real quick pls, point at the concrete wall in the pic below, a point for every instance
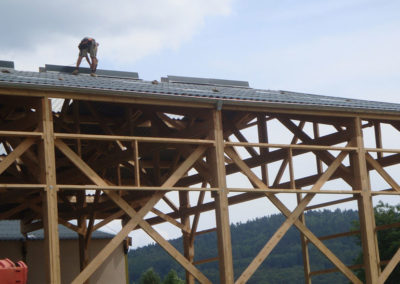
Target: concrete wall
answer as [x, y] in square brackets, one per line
[112, 271]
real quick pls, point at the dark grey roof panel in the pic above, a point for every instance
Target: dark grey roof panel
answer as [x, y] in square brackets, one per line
[10, 230]
[205, 81]
[101, 72]
[59, 81]
[7, 64]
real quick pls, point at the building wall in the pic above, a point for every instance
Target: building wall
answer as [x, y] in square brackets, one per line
[113, 270]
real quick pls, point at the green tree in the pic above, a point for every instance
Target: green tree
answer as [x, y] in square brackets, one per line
[388, 239]
[150, 277]
[172, 278]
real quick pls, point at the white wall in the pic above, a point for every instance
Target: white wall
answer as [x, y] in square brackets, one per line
[113, 270]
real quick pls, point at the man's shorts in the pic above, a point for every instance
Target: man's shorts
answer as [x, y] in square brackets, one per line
[92, 50]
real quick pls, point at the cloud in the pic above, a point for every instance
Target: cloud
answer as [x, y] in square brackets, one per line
[44, 31]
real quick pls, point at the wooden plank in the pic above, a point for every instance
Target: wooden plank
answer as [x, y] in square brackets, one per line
[18, 151]
[50, 203]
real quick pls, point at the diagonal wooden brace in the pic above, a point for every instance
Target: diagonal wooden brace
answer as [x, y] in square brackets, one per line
[137, 217]
[247, 171]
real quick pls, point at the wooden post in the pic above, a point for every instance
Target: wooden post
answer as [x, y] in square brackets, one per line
[365, 207]
[50, 207]
[263, 138]
[188, 246]
[303, 239]
[216, 159]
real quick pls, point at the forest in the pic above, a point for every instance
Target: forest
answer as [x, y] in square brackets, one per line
[284, 265]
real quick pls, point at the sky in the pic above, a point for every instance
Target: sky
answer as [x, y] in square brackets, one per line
[344, 48]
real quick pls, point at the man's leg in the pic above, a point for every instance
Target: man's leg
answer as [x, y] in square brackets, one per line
[77, 65]
[93, 66]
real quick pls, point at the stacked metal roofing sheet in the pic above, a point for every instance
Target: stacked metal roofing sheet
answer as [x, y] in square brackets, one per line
[62, 81]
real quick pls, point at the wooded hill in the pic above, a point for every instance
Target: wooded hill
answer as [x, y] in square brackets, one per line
[284, 265]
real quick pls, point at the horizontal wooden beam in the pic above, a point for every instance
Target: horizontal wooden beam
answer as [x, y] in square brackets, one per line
[4, 133]
[212, 259]
[133, 138]
[22, 185]
[305, 191]
[132, 188]
[290, 146]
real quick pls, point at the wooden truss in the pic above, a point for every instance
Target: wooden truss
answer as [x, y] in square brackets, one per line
[104, 158]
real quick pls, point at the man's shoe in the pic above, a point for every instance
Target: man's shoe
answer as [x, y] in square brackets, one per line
[75, 72]
[93, 74]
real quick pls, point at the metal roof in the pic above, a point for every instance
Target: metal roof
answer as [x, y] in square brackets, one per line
[10, 230]
[228, 95]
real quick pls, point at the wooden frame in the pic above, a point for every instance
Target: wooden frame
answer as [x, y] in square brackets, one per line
[132, 152]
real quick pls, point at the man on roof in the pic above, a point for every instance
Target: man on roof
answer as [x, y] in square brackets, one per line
[87, 45]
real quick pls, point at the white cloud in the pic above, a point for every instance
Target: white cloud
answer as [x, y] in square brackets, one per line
[44, 31]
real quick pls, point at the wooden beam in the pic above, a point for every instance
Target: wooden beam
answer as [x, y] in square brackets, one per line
[263, 138]
[50, 203]
[378, 137]
[133, 138]
[188, 246]
[18, 151]
[284, 163]
[174, 252]
[389, 267]
[267, 249]
[302, 228]
[375, 164]
[136, 216]
[316, 135]
[215, 158]
[365, 207]
[170, 220]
